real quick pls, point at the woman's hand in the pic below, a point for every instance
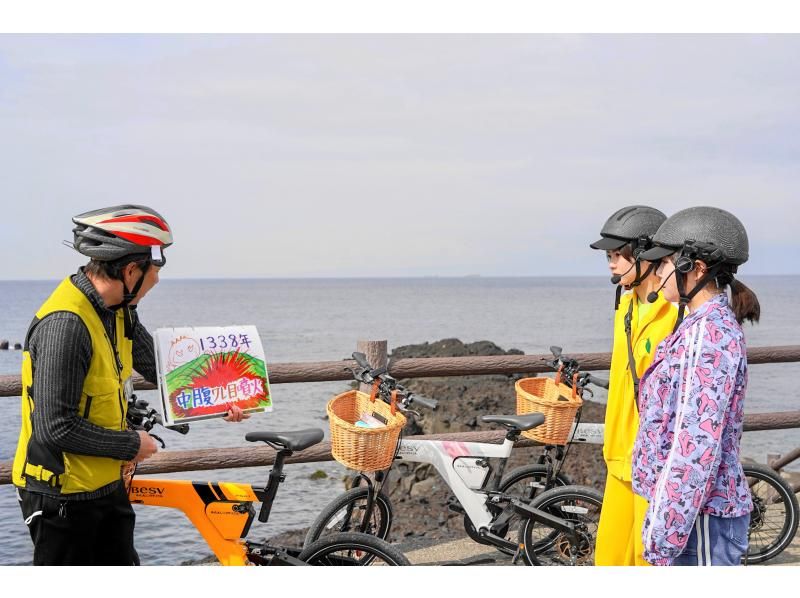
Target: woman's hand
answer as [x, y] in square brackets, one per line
[235, 414]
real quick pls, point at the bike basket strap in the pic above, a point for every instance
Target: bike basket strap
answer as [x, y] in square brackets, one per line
[557, 402]
[363, 448]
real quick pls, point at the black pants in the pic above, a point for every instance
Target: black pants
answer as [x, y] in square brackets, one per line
[73, 532]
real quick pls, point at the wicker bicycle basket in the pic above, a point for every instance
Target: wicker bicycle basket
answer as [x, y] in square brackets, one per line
[363, 449]
[557, 401]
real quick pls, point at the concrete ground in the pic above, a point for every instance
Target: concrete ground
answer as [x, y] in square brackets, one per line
[466, 552]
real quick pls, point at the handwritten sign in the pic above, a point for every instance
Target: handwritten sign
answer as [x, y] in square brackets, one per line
[203, 371]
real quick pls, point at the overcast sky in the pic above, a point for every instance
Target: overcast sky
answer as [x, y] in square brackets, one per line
[394, 155]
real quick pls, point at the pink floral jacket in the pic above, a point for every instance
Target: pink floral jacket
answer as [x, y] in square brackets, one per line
[691, 411]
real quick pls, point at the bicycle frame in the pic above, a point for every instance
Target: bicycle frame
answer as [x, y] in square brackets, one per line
[587, 434]
[459, 464]
[221, 511]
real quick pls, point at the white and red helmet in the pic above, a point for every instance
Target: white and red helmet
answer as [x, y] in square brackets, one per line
[110, 234]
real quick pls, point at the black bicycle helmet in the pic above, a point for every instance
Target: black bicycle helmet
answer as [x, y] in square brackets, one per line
[634, 226]
[704, 233]
[701, 233]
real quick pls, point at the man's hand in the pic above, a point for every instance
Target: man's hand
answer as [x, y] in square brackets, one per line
[147, 446]
[235, 414]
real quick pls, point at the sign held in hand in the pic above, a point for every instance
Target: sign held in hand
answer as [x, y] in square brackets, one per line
[203, 371]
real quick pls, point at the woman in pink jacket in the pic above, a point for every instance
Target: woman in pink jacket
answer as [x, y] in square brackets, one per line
[691, 399]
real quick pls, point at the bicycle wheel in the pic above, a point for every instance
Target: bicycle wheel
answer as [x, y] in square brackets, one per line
[352, 549]
[346, 514]
[524, 483]
[773, 522]
[543, 545]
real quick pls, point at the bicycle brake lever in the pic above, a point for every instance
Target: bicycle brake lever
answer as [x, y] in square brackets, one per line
[161, 442]
[179, 428]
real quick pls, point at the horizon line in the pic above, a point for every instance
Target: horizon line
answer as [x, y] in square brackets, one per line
[417, 277]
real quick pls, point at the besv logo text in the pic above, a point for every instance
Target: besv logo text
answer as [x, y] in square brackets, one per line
[147, 491]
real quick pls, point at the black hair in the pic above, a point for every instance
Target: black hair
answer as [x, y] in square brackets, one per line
[113, 270]
[744, 302]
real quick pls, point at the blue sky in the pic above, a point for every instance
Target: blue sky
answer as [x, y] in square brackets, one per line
[394, 155]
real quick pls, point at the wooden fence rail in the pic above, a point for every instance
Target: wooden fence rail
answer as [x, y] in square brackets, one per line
[258, 455]
[282, 373]
[430, 367]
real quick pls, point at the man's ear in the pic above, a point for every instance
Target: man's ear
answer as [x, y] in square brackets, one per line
[129, 270]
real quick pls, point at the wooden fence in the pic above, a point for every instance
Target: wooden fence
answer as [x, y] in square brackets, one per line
[376, 351]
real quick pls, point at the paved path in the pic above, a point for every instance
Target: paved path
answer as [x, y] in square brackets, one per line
[467, 552]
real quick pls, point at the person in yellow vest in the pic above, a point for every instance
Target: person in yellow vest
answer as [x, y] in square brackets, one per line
[639, 327]
[80, 351]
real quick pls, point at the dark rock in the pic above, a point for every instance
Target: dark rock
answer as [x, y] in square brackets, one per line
[3, 345]
[17, 347]
[451, 347]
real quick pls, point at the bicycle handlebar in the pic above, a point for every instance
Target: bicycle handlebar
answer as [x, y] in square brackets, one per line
[143, 417]
[601, 382]
[569, 367]
[431, 404]
[387, 384]
[361, 360]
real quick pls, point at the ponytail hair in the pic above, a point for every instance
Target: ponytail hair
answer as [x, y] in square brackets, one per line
[744, 302]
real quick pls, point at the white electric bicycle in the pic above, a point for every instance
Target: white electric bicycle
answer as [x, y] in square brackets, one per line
[553, 527]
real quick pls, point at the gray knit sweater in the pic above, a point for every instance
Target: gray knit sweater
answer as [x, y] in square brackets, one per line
[61, 351]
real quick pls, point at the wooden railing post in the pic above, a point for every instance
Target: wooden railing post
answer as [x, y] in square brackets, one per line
[377, 353]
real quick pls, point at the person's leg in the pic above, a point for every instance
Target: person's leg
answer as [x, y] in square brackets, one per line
[715, 541]
[116, 534]
[614, 545]
[63, 532]
[728, 539]
[690, 557]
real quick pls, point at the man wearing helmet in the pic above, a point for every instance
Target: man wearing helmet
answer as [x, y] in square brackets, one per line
[80, 351]
[691, 399]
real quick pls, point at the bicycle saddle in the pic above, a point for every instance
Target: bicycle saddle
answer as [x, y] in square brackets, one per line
[520, 422]
[293, 441]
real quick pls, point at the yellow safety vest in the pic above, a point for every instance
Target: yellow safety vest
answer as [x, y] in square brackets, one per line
[622, 414]
[103, 403]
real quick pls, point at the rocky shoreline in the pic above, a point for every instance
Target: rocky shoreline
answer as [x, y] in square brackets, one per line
[419, 496]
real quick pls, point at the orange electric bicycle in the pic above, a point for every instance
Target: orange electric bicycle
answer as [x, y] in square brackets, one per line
[223, 512]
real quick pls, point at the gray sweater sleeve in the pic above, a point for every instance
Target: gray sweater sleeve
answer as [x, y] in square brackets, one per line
[61, 349]
[144, 356]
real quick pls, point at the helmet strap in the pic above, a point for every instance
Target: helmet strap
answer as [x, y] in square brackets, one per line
[127, 297]
[636, 282]
[685, 297]
[641, 277]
